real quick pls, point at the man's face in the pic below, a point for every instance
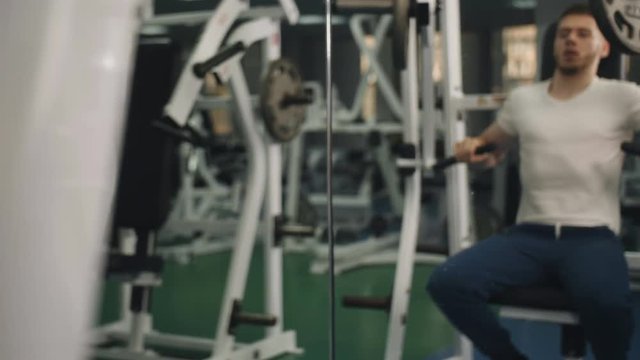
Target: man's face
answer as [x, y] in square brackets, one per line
[578, 44]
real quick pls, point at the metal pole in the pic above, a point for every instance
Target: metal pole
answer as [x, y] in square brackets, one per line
[332, 285]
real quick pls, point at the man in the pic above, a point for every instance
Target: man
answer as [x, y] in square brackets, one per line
[570, 129]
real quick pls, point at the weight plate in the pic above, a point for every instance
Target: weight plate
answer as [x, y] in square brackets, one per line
[619, 21]
[283, 119]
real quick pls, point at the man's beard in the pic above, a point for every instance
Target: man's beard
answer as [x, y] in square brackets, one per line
[572, 70]
[569, 70]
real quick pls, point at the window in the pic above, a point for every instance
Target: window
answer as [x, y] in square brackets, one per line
[520, 51]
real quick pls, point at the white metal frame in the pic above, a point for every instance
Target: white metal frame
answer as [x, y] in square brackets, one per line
[199, 210]
[358, 204]
[458, 192]
[361, 202]
[405, 256]
[356, 24]
[411, 214]
[277, 342]
[188, 86]
[344, 125]
[374, 251]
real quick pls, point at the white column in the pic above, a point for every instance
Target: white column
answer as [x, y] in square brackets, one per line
[63, 92]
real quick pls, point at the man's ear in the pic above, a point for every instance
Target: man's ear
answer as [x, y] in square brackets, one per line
[605, 48]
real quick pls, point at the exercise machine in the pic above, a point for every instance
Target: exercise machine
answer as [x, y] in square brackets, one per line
[137, 328]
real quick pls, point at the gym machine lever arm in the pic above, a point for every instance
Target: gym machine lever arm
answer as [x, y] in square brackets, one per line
[367, 302]
[192, 136]
[239, 317]
[289, 100]
[445, 163]
[200, 69]
[188, 87]
[168, 127]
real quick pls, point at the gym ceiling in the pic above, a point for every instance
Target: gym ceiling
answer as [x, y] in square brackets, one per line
[475, 14]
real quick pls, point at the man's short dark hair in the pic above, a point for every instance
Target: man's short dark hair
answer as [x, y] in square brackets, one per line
[576, 9]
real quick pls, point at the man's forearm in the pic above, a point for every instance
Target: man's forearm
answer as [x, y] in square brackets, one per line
[494, 134]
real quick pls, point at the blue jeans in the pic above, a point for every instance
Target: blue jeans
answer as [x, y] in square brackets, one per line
[586, 261]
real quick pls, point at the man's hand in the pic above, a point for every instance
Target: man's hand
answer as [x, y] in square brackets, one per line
[465, 151]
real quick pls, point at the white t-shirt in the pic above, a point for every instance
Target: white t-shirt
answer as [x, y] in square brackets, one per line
[570, 157]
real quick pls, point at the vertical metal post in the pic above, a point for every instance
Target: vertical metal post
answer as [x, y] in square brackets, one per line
[248, 225]
[329, 138]
[411, 213]
[140, 302]
[428, 114]
[273, 201]
[458, 195]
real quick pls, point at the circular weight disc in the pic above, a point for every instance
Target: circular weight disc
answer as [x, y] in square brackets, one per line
[400, 32]
[619, 21]
[282, 81]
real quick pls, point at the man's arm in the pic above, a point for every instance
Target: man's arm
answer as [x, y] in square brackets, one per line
[494, 134]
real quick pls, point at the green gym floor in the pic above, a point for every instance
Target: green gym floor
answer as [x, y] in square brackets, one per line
[189, 300]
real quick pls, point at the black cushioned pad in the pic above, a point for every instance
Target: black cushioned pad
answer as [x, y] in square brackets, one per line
[148, 178]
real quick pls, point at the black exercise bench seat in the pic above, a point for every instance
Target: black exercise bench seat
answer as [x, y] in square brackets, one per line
[553, 299]
[546, 298]
[535, 297]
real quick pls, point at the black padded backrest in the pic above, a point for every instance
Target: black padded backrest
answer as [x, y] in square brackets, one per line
[609, 68]
[148, 177]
